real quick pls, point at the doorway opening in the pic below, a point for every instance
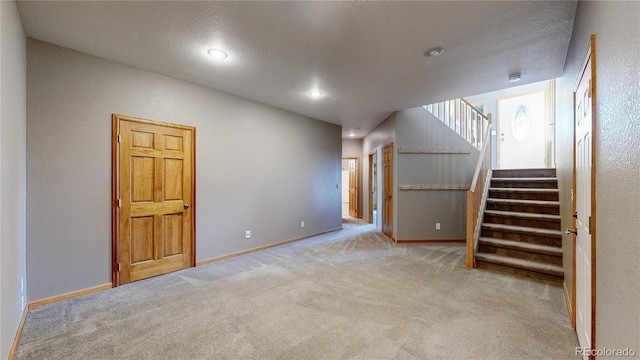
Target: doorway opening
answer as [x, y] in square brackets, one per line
[153, 193]
[373, 188]
[350, 187]
[387, 191]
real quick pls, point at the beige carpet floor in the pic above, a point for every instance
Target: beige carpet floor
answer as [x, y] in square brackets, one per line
[350, 294]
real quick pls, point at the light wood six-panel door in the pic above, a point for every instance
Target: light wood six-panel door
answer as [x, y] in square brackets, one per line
[387, 186]
[154, 231]
[354, 186]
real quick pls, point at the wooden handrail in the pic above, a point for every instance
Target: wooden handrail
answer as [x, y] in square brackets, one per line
[476, 197]
[476, 173]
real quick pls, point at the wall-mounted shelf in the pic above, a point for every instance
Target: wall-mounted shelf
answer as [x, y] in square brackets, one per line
[434, 151]
[434, 187]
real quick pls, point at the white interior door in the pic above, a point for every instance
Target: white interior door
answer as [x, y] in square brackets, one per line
[345, 186]
[584, 151]
[521, 131]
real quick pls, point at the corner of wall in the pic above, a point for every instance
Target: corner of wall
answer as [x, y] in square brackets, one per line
[12, 174]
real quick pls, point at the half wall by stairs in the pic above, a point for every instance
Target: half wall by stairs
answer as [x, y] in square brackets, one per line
[520, 233]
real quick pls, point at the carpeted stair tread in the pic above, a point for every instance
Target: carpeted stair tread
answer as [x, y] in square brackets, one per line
[524, 202]
[536, 172]
[537, 190]
[537, 179]
[521, 225]
[521, 264]
[523, 215]
[523, 246]
[522, 229]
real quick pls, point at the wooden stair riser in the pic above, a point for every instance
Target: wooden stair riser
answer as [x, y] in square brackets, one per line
[526, 173]
[524, 237]
[526, 208]
[529, 184]
[514, 253]
[524, 195]
[552, 279]
[551, 224]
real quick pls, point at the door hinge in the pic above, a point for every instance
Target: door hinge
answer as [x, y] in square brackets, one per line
[119, 267]
[589, 225]
[119, 202]
[119, 137]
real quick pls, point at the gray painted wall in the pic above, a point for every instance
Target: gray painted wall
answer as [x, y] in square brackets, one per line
[383, 134]
[352, 148]
[258, 168]
[13, 97]
[618, 164]
[418, 211]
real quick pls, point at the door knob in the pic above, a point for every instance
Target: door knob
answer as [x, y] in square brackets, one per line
[186, 206]
[571, 231]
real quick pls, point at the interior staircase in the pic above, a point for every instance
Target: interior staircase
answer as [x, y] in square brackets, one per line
[520, 233]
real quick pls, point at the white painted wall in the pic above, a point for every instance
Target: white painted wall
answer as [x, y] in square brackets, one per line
[258, 168]
[617, 163]
[12, 172]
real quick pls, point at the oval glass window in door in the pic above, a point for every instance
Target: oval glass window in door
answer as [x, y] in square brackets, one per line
[521, 124]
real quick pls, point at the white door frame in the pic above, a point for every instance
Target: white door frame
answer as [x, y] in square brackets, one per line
[590, 61]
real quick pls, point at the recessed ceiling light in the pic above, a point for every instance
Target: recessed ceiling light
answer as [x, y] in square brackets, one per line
[315, 93]
[433, 52]
[217, 54]
[515, 77]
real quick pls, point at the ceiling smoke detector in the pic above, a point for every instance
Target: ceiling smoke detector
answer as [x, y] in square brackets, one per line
[433, 52]
[515, 77]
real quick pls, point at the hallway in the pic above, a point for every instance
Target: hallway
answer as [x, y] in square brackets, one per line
[349, 294]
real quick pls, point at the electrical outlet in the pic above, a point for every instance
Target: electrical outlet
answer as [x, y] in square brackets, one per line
[437, 226]
[301, 223]
[247, 234]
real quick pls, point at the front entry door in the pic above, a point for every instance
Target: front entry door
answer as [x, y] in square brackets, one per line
[153, 198]
[521, 128]
[387, 185]
[584, 249]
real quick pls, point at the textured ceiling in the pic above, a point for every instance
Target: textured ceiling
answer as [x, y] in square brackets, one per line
[366, 57]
